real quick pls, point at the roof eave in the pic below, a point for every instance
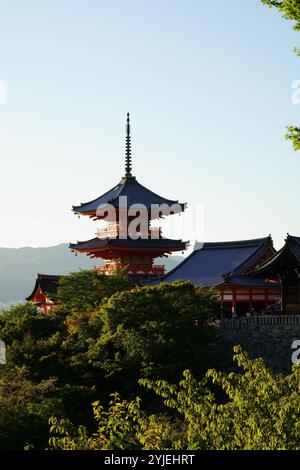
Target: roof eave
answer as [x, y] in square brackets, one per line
[241, 269]
[36, 287]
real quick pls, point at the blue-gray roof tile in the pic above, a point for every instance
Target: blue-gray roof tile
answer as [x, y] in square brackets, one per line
[135, 192]
[215, 262]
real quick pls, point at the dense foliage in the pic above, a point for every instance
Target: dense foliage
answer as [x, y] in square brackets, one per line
[260, 411]
[104, 335]
[24, 407]
[122, 350]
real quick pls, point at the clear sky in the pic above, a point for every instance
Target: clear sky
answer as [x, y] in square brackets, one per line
[208, 85]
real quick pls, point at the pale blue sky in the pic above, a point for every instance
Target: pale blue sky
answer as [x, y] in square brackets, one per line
[208, 85]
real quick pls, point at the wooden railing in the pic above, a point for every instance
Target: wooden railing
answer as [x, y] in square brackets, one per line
[113, 231]
[263, 320]
[110, 269]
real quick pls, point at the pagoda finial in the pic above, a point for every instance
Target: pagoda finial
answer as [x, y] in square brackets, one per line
[128, 163]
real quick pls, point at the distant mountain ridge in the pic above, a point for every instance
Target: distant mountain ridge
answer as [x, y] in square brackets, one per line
[19, 266]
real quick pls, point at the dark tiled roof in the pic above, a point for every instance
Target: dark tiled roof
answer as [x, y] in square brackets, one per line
[294, 245]
[135, 192]
[47, 283]
[214, 263]
[96, 243]
[252, 281]
[291, 247]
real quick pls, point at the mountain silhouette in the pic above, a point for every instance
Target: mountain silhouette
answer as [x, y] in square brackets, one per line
[19, 266]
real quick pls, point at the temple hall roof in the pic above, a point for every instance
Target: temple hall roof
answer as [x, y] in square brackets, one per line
[216, 263]
[47, 283]
[294, 245]
[291, 250]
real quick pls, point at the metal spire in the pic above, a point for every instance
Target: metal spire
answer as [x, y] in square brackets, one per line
[128, 162]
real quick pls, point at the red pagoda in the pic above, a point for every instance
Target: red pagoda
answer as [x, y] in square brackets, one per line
[128, 240]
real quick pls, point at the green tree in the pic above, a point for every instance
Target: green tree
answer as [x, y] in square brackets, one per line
[25, 409]
[40, 344]
[86, 290]
[35, 341]
[290, 10]
[155, 331]
[116, 428]
[112, 339]
[260, 411]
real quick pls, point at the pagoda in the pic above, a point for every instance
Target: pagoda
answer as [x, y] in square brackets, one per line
[128, 240]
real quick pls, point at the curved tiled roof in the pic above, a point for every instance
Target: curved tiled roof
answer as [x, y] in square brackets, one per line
[135, 192]
[97, 243]
[292, 246]
[214, 263]
[47, 283]
[247, 281]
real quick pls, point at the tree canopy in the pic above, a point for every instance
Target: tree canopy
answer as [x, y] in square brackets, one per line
[103, 336]
[259, 411]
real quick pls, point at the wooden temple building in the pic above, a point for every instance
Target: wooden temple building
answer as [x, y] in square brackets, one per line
[45, 286]
[226, 267]
[284, 266]
[122, 246]
[249, 275]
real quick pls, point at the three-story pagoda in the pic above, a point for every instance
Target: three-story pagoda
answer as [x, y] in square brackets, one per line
[128, 240]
